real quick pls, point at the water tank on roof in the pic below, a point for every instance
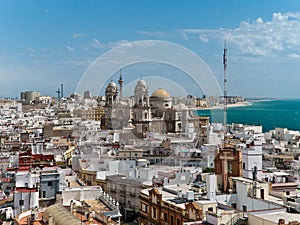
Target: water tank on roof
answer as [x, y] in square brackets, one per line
[190, 195]
[179, 193]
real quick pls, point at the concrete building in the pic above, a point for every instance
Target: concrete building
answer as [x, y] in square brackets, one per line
[228, 163]
[126, 191]
[49, 186]
[252, 159]
[28, 97]
[171, 205]
[209, 152]
[273, 218]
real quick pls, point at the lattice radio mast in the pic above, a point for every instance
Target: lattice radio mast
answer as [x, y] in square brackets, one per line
[225, 91]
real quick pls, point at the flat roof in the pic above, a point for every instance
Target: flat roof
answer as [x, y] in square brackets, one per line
[243, 179]
[274, 217]
[280, 173]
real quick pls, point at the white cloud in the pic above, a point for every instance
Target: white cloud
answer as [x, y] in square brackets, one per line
[118, 43]
[96, 44]
[203, 37]
[79, 35]
[69, 48]
[154, 33]
[294, 56]
[31, 49]
[74, 62]
[258, 38]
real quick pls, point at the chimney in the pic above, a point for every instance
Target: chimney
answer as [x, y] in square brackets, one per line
[190, 196]
[179, 193]
[211, 186]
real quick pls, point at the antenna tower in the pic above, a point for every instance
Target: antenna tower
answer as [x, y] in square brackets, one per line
[61, 90]
[225, 91]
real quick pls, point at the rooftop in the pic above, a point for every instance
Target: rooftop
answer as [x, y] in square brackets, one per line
[274, 217]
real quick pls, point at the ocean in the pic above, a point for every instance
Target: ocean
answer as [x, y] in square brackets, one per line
[270, 114]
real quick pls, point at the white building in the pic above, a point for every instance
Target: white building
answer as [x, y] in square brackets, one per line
[252, 159]
[209, 152]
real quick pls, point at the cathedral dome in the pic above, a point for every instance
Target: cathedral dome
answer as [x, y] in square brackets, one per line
[112, 84]
[141, 83]
[141, 88]
[161, 93]
[111, 87]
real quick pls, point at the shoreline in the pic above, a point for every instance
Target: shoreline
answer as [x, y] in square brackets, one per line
[239, 104]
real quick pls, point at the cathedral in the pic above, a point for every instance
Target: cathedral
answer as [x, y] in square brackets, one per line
[144, 113]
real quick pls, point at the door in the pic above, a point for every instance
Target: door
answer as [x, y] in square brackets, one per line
[262, 193]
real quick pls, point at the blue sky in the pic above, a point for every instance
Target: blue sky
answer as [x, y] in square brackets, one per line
[45, 43]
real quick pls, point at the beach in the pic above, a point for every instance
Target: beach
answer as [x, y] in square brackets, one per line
[238, 104]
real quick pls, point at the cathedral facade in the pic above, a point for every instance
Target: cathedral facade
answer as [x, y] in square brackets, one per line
[144, 112]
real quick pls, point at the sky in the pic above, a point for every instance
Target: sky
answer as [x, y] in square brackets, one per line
[46, 43]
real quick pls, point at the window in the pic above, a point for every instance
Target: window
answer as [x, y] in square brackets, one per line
[154, 213]
[49, 183]
[166, 217]
[179, 116]
[132, 191]
[178, 221]
[21, 202]
[244, 165]
[144, 207]
[179, 126]
[229, 167]
[210, 209]
[244, 208]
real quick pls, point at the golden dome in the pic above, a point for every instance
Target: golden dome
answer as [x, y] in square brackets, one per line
[161, 93]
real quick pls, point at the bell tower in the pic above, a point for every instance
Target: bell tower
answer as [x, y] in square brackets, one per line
[111, 93]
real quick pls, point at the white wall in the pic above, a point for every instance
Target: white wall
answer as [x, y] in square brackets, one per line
[79, 194]
[251, 203]
[251, 157]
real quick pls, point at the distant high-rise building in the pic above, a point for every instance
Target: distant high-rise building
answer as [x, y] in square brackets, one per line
[62, 90]
[87, 94]
[28, 97]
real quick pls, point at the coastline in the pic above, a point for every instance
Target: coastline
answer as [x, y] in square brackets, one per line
[239, 104]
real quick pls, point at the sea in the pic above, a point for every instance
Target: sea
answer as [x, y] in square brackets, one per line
[271, 114]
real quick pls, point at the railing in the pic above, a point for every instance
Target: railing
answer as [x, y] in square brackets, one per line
[97, 215]
[234, 219]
